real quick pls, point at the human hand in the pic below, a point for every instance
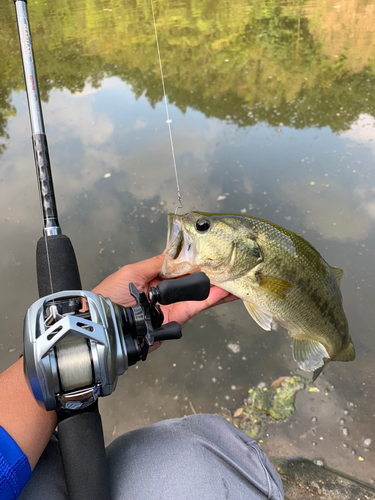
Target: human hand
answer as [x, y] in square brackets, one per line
[144, 275]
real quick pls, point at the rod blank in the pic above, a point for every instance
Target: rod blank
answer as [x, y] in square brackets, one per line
[39, 139]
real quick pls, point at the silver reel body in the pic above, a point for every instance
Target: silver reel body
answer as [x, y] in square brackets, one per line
[77, 343]
[71, 359]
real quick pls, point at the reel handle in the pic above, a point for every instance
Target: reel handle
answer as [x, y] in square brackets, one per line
[170, 331]
[193, 287]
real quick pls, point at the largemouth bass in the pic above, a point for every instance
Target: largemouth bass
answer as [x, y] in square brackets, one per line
[280, 277]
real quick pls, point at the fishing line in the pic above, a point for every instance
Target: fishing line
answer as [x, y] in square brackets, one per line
[166, 109]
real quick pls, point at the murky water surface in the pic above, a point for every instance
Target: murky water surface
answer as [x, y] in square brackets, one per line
[273, 116]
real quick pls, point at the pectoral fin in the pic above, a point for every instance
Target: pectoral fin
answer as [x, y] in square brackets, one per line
[309, 354]
[263, 318]
[276, 286]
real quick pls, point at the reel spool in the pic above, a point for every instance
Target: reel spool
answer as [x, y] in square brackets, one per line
[74, 364]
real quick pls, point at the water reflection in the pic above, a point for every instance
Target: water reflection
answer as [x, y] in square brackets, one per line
[284, 61]
[266, 121]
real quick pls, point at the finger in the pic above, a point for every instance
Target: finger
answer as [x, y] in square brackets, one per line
[155, 346]
[157, 280]
[183, 311]
[225, 300]
[154, 282]
[217, 296]
[116, 285]
[148, 269]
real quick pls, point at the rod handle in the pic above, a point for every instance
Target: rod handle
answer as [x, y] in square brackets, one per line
[83, 455]
[60, 261]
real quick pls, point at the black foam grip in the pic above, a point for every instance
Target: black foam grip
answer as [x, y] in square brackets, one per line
[169, 331]
[83, 455]
[193, 287]
[62, 263]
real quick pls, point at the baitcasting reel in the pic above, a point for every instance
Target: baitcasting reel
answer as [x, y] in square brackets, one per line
[77, 343]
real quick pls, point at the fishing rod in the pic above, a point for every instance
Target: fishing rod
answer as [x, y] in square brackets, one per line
[77, 343]
[57, 270]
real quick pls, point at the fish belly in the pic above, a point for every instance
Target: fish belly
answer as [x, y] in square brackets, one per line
[297, 313]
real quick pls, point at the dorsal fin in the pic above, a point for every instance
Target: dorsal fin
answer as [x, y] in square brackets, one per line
[338, 274]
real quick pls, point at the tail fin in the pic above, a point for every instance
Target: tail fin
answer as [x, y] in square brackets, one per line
[319, 370]
[347, 354]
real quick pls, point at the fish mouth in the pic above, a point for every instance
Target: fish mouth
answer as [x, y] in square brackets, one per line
[180, 250]
[175, 237]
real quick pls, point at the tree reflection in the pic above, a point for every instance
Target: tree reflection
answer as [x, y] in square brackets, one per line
[236, 60]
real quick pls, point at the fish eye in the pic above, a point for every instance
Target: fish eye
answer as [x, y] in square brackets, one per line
[255, 252]
[203, 225]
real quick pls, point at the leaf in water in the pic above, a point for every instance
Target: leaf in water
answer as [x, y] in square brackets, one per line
[278, 382]
[238, 412]
[313, 389]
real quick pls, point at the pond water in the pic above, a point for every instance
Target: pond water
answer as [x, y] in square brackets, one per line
[273, 115]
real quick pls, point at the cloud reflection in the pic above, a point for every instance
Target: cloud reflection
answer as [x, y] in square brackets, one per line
[362, 131]
[331, 209]
[142, 151]
[75, 115]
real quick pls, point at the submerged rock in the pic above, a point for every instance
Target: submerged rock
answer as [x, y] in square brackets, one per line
[304, 480]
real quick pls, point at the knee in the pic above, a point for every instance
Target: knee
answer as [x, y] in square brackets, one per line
[191, 455]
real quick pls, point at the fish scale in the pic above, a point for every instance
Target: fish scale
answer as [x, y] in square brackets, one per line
[282, 279]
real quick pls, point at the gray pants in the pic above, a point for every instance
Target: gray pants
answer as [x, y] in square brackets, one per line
[191, 458]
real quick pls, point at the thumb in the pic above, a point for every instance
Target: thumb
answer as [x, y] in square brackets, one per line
[147, 269]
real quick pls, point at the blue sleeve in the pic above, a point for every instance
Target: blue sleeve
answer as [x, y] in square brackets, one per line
[15, 469]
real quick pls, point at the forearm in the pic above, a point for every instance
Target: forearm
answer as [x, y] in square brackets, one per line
[23, 419]
[20, 415]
